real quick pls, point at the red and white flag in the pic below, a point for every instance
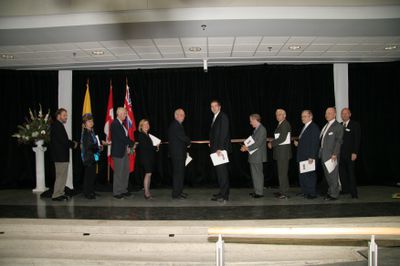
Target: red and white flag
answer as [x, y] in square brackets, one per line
[130, 125]
[107, 125]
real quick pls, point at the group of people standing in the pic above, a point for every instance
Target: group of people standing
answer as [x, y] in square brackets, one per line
[336, 142]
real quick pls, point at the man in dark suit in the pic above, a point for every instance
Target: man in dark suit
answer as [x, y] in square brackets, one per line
[331, 139]
[59, 149]
[220, 140]
[119, 152]
[178, 142]
[257, 155]
[307, 150]
[282, 152]
[348, 154]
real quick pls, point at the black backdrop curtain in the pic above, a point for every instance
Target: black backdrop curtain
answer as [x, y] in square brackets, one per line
[243, 90]
[19, 91]
[374, 94]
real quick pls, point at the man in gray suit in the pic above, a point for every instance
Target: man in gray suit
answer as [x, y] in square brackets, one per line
[331, 139]
[257, 155]
[282, 152]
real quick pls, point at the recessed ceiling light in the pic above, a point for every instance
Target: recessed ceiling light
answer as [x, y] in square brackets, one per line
[390, 47]
[98, 52]
[7, 56]
[195, 49]
[294, 47]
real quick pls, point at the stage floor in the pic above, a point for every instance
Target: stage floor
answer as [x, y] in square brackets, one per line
[373, 201]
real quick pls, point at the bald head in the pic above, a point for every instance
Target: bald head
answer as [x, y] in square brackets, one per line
[280, 115]
[345, 114]
[121, 113]
[179, 115]
[330, 113]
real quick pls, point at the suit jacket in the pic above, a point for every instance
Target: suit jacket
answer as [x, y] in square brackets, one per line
[260, 143]
[120, 141]
[59, 142]
[90, 147]
[332, 142]
[145, 149]
[308, 143]
[282, 152]
[220, 138]
[177, 140]
[351, 140]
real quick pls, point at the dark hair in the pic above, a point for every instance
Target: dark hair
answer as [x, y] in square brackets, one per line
[59, 111]
[86, 118]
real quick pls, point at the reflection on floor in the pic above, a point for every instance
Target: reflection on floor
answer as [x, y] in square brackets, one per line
[373, 201]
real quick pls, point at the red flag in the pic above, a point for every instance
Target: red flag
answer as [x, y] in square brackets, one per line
[107, 125]
[130, 125]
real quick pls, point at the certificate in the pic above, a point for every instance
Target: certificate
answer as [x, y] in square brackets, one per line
[188, 159]
[217, 160]
[156, 141]
[287, 140]
[305, 167]
[330, 165]
[98, 141]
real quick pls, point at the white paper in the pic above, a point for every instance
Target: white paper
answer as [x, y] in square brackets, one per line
[188, 159]
[330, 165]
[253, 151]
[305, 167]
[249, 141]
[156, 141]
[287, 140]
[98, 141]
[217, 160]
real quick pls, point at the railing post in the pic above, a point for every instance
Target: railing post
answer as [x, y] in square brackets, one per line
[372, 252]
[219, 251]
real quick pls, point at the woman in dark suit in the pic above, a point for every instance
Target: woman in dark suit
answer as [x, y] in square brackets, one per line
[90, 153]
[146, 153]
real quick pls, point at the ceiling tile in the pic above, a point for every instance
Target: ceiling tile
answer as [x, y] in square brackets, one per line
[274, 40]
[121, 51]
[242, 54]
[350, 40]
[187, 42]
[64, 46]
[88, 45]
[41, 47]
[170, 49]
[300, 40]
[145, 49]
[140, 42]
[314, 53]
[251, 40]
[245, 48]
[219, 55]
[114, 44]
[316, 48]
[269, 48]
[341, 47]
[266, 53]
[366, 47]
[167, 42]
[196, 55]
[289, 54]
[219, 49]
[150, 55]
[172, 55]
[335, 53]
[325, 40]
[14, 49]
[223, 41]
[127, 57]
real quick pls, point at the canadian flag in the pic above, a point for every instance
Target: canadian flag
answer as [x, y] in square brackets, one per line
[130, 125]
[107, 125]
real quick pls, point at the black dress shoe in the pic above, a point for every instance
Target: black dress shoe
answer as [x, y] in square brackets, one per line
[120, 196]
[330, 198]
[277, 194]
[183, 194]
[216, 198]
[218, 195]
[311, 197]
[178, 198]
[126, 194]
[354, 197]
[97, 194]
[283, 196]
[256, 196]
[60, 198]
[251, 194]
[92, 196]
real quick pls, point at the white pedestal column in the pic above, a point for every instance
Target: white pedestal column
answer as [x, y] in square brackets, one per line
[39, 154]
[341, 83]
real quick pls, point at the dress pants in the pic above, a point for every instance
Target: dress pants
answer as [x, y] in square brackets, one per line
[308, 183]
[347, 176]
[178, 176]
[61, 178]
[333, 181]
[121, 175]
[257, 174]
[223, 180]
[283, 168]
[89, 180]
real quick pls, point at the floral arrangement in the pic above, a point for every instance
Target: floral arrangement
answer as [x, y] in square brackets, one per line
[35, 128]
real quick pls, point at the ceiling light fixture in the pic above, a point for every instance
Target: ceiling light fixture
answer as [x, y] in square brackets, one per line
[98, 52]
[294, 47]
[7, 56]
[391, 47]
[195, 49]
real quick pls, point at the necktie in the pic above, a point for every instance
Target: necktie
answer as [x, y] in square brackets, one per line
[323, 134]
[302, 131]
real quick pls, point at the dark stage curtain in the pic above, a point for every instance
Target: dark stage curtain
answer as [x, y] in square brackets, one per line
[19, 91]
[243, 90]
[374, 92]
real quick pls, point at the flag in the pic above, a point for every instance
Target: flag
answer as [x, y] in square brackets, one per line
[107, 125]
[130, 125]
[87, 107]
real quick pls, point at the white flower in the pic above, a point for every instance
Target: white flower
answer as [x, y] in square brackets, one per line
[43, 132]
[35, 134]
[46, 117]
[26, 137]
[27, 126]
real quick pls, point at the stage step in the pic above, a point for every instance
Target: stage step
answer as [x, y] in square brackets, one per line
[84, 242]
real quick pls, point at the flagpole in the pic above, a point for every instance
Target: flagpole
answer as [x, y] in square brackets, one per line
[108, 149]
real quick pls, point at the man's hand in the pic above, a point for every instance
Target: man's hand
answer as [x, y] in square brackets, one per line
[310, 161]
[219, 153]
[269, 145]
[296, 143]
[353, 156]
[333, 158]
[243, 148]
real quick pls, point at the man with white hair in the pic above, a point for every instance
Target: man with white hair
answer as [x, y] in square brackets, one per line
[282, 152]
[119, 152]
[178, 143]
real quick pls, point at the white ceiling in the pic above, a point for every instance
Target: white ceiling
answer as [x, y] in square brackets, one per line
[153, 42]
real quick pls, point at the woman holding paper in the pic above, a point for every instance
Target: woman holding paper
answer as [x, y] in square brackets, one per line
[146, 152]
[90, 153]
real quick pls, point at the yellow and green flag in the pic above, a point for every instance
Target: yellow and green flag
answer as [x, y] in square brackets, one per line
[87, 107]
